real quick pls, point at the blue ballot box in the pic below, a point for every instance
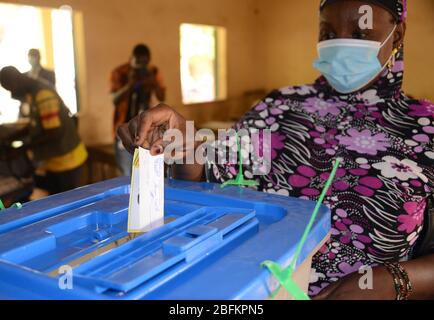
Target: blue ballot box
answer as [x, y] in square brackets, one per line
[76, 245]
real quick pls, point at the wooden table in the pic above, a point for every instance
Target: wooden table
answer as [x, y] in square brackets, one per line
[16, 181]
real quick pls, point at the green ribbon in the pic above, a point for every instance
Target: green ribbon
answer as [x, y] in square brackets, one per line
[14, 206]
[240, 180]
[285, 276]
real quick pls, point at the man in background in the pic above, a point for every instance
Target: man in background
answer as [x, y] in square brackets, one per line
[52, 135]
[132, 86]
[37, 71]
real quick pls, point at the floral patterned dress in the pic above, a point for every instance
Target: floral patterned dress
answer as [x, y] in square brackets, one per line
[378, 199]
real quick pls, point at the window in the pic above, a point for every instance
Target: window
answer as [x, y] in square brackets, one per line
[203, 63]
[64, 56]
[49, 30]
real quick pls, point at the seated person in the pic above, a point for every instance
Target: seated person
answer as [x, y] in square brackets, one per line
[53, 135]
[356, 112]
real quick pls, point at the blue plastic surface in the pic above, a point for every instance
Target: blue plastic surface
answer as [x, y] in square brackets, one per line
[211, 247]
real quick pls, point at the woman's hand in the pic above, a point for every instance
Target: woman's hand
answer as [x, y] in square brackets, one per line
[349, 288]
[147, 131]
[420, 272]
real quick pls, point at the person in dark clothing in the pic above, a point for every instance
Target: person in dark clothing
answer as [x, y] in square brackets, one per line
[53, 136]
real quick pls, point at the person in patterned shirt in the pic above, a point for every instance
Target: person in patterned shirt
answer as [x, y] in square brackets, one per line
[356, 112]
[132, 86]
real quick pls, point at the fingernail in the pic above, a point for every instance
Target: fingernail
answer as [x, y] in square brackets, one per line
[159, 149]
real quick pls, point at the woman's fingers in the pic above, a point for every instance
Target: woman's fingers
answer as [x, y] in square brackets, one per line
[174, 153]
[157, 148]
[123, 133]
[133, 127]
[147, 130]
[150, 120]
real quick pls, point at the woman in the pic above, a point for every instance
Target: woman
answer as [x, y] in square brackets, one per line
[356, 112]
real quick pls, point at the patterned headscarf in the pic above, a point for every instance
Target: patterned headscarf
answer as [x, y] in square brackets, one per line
[398, 8]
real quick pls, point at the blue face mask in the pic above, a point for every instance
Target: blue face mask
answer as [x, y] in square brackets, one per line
[350, 64]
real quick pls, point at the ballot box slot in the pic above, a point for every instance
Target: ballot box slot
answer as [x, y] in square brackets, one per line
[112, 243]
[56, 241]
[116, 240]
[140, 246]
[143, 250]
[134, 263]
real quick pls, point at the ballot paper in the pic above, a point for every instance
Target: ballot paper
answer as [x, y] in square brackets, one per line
[146, 209]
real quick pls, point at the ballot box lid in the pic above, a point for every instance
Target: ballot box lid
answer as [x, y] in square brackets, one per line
[75, 245]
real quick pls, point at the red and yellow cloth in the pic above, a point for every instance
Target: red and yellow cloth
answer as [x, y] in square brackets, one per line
[47, 105]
